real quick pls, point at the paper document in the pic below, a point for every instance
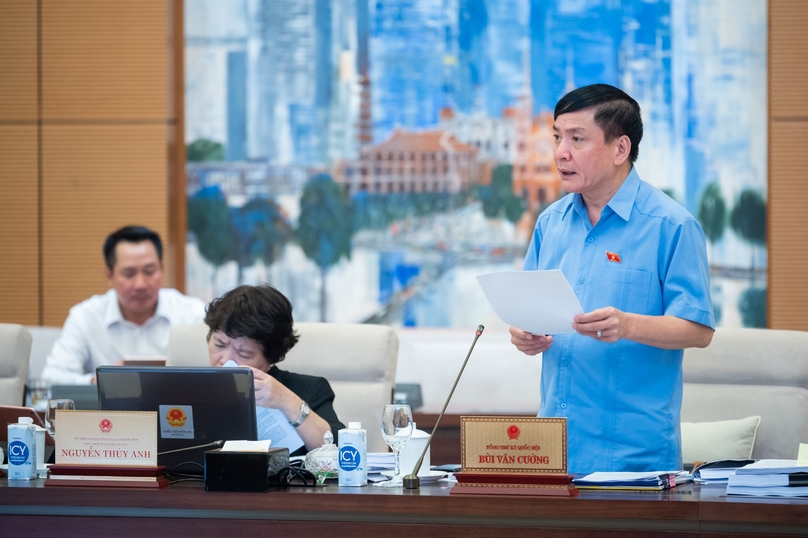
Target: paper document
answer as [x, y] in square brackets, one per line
[771, 467]
[774, 491]
[802, 455]
[246, 446]
[718, 471]
[653, 480]
[272, 425]
[631, 476]
[381, 461]
[769, 480]
[539, 302]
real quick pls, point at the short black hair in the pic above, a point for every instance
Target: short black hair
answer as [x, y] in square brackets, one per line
[617, 114]
[260, 313]
[130, 234]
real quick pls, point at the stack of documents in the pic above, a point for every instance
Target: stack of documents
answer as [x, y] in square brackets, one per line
[634, 481]
[381, 461]
[771, 478]
[717, 472]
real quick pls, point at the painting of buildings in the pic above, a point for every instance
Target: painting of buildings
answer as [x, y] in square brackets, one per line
[370, 159]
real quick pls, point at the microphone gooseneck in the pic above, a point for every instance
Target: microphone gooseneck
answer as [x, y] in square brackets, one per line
[214, 444]
[411, 481]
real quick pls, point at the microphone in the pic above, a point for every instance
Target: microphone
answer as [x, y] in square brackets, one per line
[411, 481]
[214, 444]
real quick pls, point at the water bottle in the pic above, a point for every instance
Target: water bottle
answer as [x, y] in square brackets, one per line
[353, 455]
[22, 449]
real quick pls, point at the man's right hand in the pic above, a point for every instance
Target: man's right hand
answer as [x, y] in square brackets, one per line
[530, 344]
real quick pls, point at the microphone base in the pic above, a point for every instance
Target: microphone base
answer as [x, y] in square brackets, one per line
[411, 482]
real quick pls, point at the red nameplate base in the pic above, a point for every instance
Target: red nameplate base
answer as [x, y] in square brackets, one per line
[107, 476]
[514, 484]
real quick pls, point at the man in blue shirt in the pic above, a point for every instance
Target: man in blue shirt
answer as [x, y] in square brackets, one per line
[637, 262]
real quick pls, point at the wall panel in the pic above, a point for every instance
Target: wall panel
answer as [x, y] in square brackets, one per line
[788, 59]
[788, 246]
[104, 60]
[788, 162]
[87, 143]
[19, 256]
[96, 178]
[18, 60]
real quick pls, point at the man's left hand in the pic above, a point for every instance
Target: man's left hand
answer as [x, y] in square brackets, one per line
[605, 324]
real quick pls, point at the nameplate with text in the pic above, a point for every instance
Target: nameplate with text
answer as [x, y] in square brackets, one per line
[504, 444]
[125, 438]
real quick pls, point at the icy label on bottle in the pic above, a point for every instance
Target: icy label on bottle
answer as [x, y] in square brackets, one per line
[349, 458]
[18, 453]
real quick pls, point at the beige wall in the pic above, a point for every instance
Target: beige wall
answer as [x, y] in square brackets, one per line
[91, 139]
[86, 144]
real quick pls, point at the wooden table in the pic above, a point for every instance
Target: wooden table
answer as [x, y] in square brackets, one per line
[30, 509]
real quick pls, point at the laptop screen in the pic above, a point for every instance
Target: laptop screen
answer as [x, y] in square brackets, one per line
[195, 407]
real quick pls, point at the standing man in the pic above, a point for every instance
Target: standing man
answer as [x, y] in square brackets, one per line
[637, 262]
[132, 318]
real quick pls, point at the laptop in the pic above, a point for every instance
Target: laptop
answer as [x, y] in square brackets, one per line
[85, 397]
[196, 407]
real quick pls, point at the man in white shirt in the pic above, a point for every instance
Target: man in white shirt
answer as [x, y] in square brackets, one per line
[132, 319]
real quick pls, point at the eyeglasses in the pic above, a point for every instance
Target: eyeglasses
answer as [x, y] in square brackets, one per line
[296, 477]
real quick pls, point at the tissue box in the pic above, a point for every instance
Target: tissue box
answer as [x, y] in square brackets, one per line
[243, 471]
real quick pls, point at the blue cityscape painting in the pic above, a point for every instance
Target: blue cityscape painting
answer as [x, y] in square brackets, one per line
[370, 158]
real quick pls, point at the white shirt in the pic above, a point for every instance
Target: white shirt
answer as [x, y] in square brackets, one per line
[95, 333]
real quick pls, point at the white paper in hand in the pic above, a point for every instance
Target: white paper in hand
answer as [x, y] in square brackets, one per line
[272, 424]
[539, 302]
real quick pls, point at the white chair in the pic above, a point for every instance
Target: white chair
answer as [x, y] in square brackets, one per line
[42, 341]
[359, 361]
[746, 372]
[15, 349]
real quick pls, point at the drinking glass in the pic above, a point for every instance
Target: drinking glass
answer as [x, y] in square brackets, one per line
[50, 417]
[38, 394]
[396, 430]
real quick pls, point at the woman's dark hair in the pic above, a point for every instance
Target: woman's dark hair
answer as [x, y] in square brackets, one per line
[260, 313]
[616, 113]
[130, 234]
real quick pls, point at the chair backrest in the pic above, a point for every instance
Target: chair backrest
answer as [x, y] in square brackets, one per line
[42, 340]
[15, 349]
[359, 361]
[746, 372]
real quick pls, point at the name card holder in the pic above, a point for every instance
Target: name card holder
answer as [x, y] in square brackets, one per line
[514, 455]
[108, 449]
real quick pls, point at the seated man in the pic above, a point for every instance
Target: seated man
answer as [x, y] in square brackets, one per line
[132, 319]
[252, 326]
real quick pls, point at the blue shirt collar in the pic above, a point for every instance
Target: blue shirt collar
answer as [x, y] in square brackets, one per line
[623, 200]
[621, 203]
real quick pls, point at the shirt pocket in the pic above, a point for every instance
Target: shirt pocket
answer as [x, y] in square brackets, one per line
[630, 289]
